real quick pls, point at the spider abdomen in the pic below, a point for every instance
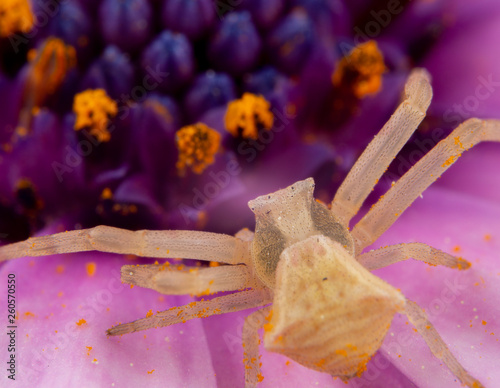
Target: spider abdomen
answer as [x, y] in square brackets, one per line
[341, 312]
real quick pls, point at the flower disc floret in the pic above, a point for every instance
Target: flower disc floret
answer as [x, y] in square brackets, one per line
[94, 108]
[247, 114]
[15, 16]
[197, 145]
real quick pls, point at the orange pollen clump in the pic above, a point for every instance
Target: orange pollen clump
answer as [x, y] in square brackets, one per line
[452, 159]
[361, 368]
[361, 69]
[107, 193]
[90, 268]
[341, 352]
[15, 16]
[247, 115]
[93, 109]
[268, 326]
[81, 322]
[149, 314]
[48, 67]
[462, 264]
[197, 145]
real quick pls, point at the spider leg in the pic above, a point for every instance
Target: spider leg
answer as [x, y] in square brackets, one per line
[384, 147]
[202, 309]
[251, 342]
[245, 234]
[391, 254]
[149, 243]
[418, 318]
[391, 205]
[179, 280]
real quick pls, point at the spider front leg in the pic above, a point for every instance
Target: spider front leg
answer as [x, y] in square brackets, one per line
[149, 243]
[391, 254]
[418, 318]
[391, 205]
[202, 309]
[384, 147]
[180, 280]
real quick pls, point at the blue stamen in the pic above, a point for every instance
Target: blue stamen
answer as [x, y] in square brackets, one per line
[168, 60]
[112, 72]
[264, 12]
[193, 18]
[208, 91]
[290, 43]
[126, 23]
[236, 45]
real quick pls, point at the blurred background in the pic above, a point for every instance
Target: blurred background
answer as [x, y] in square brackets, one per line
[173, 114]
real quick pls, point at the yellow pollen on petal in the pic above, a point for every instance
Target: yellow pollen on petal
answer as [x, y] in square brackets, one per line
[247, 115]
[81, 322]
[93, 109]
[15, 16]
[361, 69]
[197, 145]
[90, 268]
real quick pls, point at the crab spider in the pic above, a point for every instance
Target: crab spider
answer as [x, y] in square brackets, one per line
[323, 306]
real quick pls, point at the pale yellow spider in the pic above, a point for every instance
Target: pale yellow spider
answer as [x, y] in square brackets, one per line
[324, 308]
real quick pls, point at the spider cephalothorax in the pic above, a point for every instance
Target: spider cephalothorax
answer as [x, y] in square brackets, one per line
[324, 308]
[286, 217]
